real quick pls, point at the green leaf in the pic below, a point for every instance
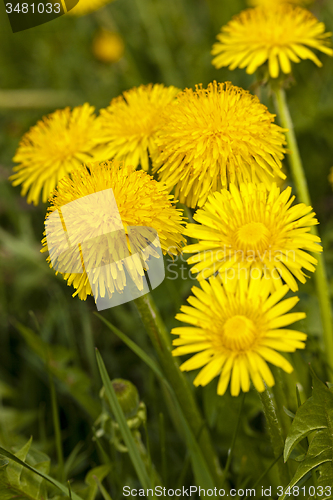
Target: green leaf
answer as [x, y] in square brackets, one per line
[25, 480]
[201, 473]
[315, 415]
[93, 479]
[326, 478]
[16, 480]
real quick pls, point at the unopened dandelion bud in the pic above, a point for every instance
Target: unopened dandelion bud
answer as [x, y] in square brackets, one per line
[127, 395]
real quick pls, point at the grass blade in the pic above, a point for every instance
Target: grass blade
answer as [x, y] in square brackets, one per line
[124, 429]
[103, 491]
[57, 429]
[134, 347]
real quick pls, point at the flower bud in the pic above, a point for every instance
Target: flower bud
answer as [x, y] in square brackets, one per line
[127, 395]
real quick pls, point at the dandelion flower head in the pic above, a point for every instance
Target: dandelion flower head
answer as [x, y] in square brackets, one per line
[273, 3]
[214, 136]
[57, 144]
[141, 201]
[131, 122]
[279, 35]
[254, 229]
[236, 333]
[84, 7]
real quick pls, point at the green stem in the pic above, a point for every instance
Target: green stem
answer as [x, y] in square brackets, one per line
[275, 431]
[57, 429]
[162, 344]
[304, 196]
[264, 474]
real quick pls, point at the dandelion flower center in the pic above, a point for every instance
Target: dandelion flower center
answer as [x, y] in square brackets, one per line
[238, 333]
[252, 233]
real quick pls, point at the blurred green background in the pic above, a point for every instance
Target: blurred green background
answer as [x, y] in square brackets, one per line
[53, 66]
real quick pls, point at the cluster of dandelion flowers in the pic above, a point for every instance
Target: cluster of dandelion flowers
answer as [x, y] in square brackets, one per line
[56, 145]
[280, 34]
[214, 136]
[84, 7]
[141, 201]
[129, 125]
[254, 229]
[235, 333]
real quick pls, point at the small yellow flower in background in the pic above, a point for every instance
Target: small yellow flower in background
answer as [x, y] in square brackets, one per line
[86, 6]
[108, 47]
[254, 229]
[280, 35]
[214, 136]
[141, 201]
[235, 333]
[129, 125]
[56, 145]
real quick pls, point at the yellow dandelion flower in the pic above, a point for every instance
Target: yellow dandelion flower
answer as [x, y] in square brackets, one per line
[57, 144]
[108, 47]
[214, 136]
[140, 201]
[86, 6]
[276, 35]
[236, 333]
[273, 3]
[254, 229]
[129, 125]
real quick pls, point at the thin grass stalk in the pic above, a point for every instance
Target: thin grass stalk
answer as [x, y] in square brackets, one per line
[57, 430]
[233, 442]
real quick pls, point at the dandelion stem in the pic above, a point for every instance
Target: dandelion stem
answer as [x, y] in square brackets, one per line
[275, 431]
[304, 196]
[162, 344]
